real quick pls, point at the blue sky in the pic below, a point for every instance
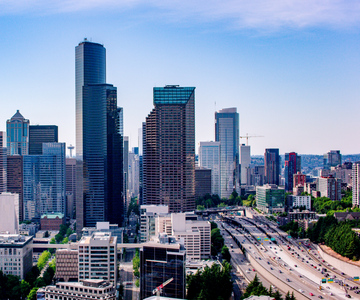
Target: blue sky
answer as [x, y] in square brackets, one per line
[292, 68]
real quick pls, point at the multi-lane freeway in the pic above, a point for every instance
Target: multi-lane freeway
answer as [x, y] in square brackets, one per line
[291, 265]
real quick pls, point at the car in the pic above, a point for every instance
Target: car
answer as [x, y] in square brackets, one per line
[271, 268]
[311, 294]
[295, 266]
[300, 276]
[347, 296]
[287, 279]
[321, 297]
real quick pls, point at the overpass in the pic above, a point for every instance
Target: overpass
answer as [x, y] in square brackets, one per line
[74, 246]
[216, 210]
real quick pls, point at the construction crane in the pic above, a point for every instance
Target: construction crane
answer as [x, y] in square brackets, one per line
[158, 290]
[249, 136]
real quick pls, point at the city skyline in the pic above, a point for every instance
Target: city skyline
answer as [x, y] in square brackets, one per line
[289, 71]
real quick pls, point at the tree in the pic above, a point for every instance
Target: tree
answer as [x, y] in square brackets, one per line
[43, 258]
[32, 294]
[31, 276]
[225, 253]
[136, 264]
[24, 289]
[39, 282]
[216, 239]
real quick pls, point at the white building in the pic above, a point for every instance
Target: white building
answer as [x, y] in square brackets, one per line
[98, 257]
[209, 157]
[302, 201]
[329, 187]
[147, 220]
[133, 174]
[356, 184]
[195, 234]
[9, 213]
[86, 289]
[15, 254]
[245, 160]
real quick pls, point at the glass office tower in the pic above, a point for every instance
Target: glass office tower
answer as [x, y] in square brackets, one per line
[39, 134]
[169, 149]
[272, 166]
[17, 135]
[227, 133]
[98, 140]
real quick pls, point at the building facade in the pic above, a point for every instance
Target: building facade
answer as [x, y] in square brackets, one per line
[292, 166]
[356, 184]
[227, 133]
[3, 164]
[169, 153]
[270, 198]
[67, 262]
[272, 166]
[9, 213]
[329, 187]
[39, 134]
[44, 182]
[209, 157]
[98, 140]
[202, 182]
[14, 177]
[98, 257]
[332, 159]
[17, 135]
[158, 263]
[15, 254]
[245, 160]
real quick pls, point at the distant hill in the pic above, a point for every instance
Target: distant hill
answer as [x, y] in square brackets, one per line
[309, 162]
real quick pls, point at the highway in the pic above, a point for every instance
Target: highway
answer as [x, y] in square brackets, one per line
[299, 269]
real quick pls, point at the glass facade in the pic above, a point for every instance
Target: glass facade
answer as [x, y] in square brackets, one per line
[270, 199]
[209, 155]
[169, 149]
[292, 166]
[272, 166]
[44, 182]
[98, 140]
[227, 133]
[39, 134]
[17, 132]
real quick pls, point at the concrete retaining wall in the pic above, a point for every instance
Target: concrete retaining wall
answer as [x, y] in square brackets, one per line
[343, 266]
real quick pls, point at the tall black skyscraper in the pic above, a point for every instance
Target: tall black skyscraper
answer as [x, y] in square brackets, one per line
[98, 140]
[39, 134]
[272, 166]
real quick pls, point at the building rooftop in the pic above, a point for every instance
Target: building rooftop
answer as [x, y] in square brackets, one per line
[172, 94]
[53, 216]
[14, 239]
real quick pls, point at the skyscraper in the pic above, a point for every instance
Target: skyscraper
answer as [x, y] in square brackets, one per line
[98, 140]
[356, 184]
[17, 132]
[169, 149]
[39, 134]
[14, 179]
[292, 166]
[3, 163]
[272, 166]
[44, 182]
[332, 159]
[209, 157]
[227, 133]
[245, 160]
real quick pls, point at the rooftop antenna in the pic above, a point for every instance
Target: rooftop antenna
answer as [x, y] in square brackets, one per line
[71, 148]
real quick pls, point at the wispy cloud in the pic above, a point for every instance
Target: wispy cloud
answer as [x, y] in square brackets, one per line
[256, 14]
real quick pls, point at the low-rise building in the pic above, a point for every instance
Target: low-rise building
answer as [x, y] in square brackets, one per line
[301, 215]
[148, 214]
[52, 221]
[98, 257]
[298, 202]
[67, 265]
[15, 254]
[105, 227]
[85, 289]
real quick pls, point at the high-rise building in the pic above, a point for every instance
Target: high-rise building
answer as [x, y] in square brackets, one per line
[332, 159]
[169, 149]
[356, 184]
[227, 133]
[292, 166]
[3, 163]
[70, 186]
[14, 179]
[98, 140]
[17, 135]
[272, 166]
[44, 182]
[245, 160]
[158, 263]
[126, 171]
[202, 182]
[39, 134]
[133, 173]
[209, 157]
[9, 213]
[329, 187]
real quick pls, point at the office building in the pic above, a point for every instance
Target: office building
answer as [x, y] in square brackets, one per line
[245, 160]
[70, 186]
[9, 213]
[272, 166]
[209, 157]
[329, 187]
[133, 174]
[270, 198]
[44, 182]
[227, 133]
[98, 140]
[148, 214]
[114, 229]
[356, 184]
[169, 150]
[39, 134]
[85, 289]
[293, 202]
[299, 179]
[67, 261]
[3, 163]
[14, 179]
[202, 182]
[332, 159]
[160, 261]
[16, 254]
[292, 166]
[52, 221]
[98, 257]
[17, 135]
[256, 175]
